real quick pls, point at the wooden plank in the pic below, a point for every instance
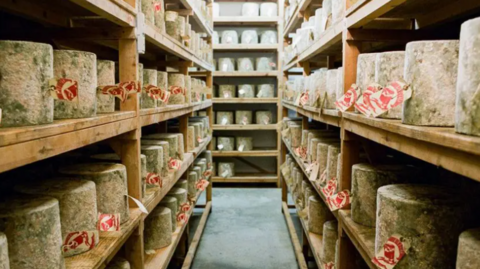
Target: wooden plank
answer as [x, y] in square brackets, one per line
[110, 243]
[199, 20]
[245, 21]
[370, 11]
[253, 153]
[362, 237]
[245, 74]
[110, 11]
[247, 178]
[353, 5]
[245, 47]
[351, 50]
[196, 238]
[245, 100]
[245, 127]
[155, 115]
[330, 117]
[297, 15]
[302, 264]
[460, 162]
[37, 11]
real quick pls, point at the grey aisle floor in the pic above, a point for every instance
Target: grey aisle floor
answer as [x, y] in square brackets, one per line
[245, 230]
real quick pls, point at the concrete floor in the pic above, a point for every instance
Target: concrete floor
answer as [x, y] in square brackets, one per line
[245, 230]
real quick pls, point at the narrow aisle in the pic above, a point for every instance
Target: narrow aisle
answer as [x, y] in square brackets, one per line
[245, 230]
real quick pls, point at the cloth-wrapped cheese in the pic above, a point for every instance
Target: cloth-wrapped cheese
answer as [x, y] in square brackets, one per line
[224, 117]
[269, 37]
[226, 64]
[149, 78]
[268, 10]
[338, 10]
[226, 91]
[176, 87]
[171, 24]
[159, 15]
[263, 117]
[243, 117]
[215, 38]
[226, 169]
[225, 143]
[249, 37]
[246, 91]
[244, 143]
[245, 64]
[171, 203]
[250, 9]
[265, 64]
[229, 37]
[158, 226]
[162, 83]
[331, 89]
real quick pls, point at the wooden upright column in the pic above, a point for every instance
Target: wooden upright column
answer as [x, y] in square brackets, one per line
[209, 83]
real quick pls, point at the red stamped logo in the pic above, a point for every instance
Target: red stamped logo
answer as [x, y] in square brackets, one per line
[156, 93]
[347, 100]
[185, 207]
[174, 90]
[272, 64]
[154, 179]
[199, 139]
[207, 173]
[393, 251]
[108, 222]
[330, 188]
[130, 86]
[304, 98]
[202, 184]
[329, 265]
[157, 6]
[339, 200]
[182, 217]
[391, 96]
[64, 89]
[174, 164]
[79, 242]
[364, 104]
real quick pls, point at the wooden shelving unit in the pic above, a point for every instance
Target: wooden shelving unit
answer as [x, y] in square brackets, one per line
[245, 74]
[109, 28]
[245, 21]
[245, 100]
[245, 47]
[252, 153]
[247, 178]
[373, 26]
[245, 127]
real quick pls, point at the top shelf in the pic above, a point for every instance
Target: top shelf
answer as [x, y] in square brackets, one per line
[245, 21]
[198, 17]
[296, 18]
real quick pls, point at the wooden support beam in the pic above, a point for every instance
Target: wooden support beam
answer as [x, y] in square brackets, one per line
[302, 264]
[347, 250]
[351, 50]
[196, 238]
[388, 35]
[134, 251]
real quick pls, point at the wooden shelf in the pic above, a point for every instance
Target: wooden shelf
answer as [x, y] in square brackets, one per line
[25, 145]
[245, 74]
[273, 100]
[198, 17]
[329, 43]
[154, 115]
[362, 237]
[162, 257]
[441, 147]
[166, 43]
[245, 127]
[253, 153]
[245, 21]
[107, 247]
[247, 178]
[297, 18]
[328, 116]
[245, 47]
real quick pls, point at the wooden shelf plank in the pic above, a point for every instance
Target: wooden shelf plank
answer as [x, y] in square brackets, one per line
[192, 249]
[245, 127]
[273, 100]
[247, 178]
[253, 153]
[245, 47]
[159, 114]
[110, 243]
[198, 17]
[362, 237]
[328, 116]
[162, 257]
[296, 18]
[114, 11]
[441, 147]
[245, 74]
[302, 264]
[168, 44]
[330, 42]
[240, 20]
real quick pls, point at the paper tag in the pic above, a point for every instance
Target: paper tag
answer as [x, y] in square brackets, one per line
[330, 188]
[0, 116]
[174, 164]
[156, 93]
[228, 39]
[266, 120]
[79, 242]
[226, 95]
[363, 103]
[207, 172]
[224, 121]
[309, 167]
[224, 174]
[121, 90]
[347, 100]
[182, 218]
[329, 265]
[241, 147]
[391, 96]
[303, 213]
[202, 185]
[175, 90]
[244, 120]
[154, 179]
[323, 176]
[220, 146]
[241, 91]
[108, 222]
[304, 98]
[272, 64]
[225, 67]
[339, 200]
[314, 174]
[185, 207]
[393, 251]
[142, 208]
[63, 89]
[297, 100]
[199, 139]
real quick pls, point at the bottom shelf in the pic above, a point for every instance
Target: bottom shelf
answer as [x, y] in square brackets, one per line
[247, 178]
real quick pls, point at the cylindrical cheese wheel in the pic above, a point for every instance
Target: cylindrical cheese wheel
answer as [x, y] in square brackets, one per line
[245, 64]
[105, 76]
[249, 37]
[171, 203]
[307, 193]
[468, 247]
[225, 143]
[4, 261]
[265, 64]
[159, 15]
[431, 70]
[181, 27]
[338, 10]
[340, 85]
[171, 25]
[268, 9]
[197, 126]
[265, 90]
[32, 226]
[322, 155]
[162, 83]
[313, 149]
[331, 89]
[172, 140]
[118, 263]
[182, 184]
[366, 180]
[154, 158]
[366, 70]
[305, 133]
[26, 68]
[191, 138]
[229, 37]
[326, 14]
[296, 135]
[179, 194]
[226, 64]
[77, 202]
[181, 146]
[389, 67]
[188, 89]
[243, 117]
[332, 158]
[149, 78]
[244, 143]
[207, 154]
[250, 9]
[318, 214]
[82, 67]
[246, 91]
[198, 170]
[111, 185]
[467, 108]
[330, 236]
[263, 117]
[432, 217]
[148, 10]
[192, 183]
[268, 37]
[166, 153]
[158, 226]
[226, 91]
[224, 117]
[226, 169]
[339, 167]
[317, 23]
[176, 80]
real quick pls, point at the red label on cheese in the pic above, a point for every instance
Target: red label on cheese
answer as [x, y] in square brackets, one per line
[81, 241]
[64, 89]
[108, 222]
[339, 200]
[393, 251]
[347, 100]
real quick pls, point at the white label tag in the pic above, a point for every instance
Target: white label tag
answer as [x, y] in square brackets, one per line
[139, 204]
[0, 116]
[224, 67]
[225, 174]
[220, 146]
[224, 121]
[226, 95]
[241, 91]
[241, 147]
